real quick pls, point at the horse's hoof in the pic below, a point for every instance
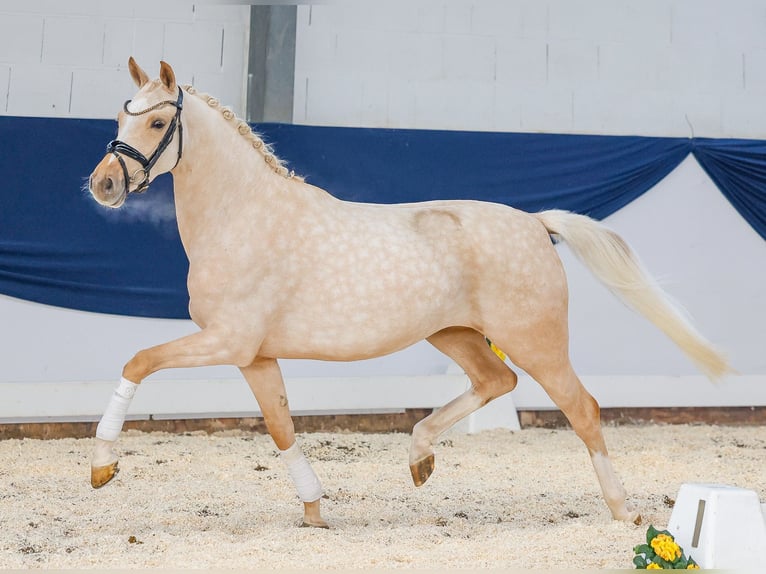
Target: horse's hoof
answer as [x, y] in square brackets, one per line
[631, 516]
[99, 476]
[319, 524]
[422, 469]
[311, 516]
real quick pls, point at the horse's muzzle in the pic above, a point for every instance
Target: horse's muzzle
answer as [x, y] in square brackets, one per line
[107, 184]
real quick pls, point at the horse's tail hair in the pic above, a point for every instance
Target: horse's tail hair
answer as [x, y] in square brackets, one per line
[616, 265]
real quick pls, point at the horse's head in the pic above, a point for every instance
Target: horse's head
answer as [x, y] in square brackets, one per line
[149, 138]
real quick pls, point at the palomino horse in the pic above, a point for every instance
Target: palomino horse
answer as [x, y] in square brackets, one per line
[281, 269]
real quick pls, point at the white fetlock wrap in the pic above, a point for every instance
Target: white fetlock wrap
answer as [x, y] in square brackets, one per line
[110, 425]
[306, 482]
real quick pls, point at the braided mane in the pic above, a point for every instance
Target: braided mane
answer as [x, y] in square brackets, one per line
[243, 128]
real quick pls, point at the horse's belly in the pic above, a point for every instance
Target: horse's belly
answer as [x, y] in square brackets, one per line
[354, 319]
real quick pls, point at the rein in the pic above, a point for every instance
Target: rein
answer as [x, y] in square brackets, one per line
[118, 147]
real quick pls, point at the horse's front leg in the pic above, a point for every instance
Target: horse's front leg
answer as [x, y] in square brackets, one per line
[265, 380]
[207, 347]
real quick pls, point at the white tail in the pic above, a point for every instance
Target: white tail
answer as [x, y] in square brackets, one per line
[615, 264]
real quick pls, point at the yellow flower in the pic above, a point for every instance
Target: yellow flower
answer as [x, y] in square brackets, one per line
[692, 567]
[653, 566]
[666, 548]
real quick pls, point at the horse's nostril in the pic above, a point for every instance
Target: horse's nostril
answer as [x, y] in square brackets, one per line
[108, 184]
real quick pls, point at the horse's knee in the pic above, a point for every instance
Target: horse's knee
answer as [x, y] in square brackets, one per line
[136, 369]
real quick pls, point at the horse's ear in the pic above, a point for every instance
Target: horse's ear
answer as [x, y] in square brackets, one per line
[138, 75]
[168, 77]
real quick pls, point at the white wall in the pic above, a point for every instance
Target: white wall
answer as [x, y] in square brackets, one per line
[589, 66]
[557, 66]
[69, 59]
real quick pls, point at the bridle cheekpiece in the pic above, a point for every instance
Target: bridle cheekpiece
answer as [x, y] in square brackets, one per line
[120, 148]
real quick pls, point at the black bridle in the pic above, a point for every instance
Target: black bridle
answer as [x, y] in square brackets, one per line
[118, 147]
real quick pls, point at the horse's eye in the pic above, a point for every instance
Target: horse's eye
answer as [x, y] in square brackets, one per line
[158, 124]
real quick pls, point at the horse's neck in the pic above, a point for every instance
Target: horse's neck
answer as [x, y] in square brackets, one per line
[224, 189]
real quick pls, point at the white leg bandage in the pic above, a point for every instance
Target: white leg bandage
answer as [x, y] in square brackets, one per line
[110, 425]
[306, 482]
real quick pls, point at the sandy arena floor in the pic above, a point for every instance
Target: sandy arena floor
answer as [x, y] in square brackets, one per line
[496, 500]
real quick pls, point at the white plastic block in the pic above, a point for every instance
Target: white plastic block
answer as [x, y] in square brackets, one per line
[224, 87]
[315, 49]
[498, 18]
[221, 12]
[627, 112]
[402, 104]
[719, 526]
[644, 23]
[76, 41]
[498, 414]
[374, 106]
[458, 17]
[546, 110]
[522, 62]
[21, 38]
[39, 91]
[572, 63]
[630, 66]
[148, 47]
[5, 78]
[417, 57]
[469, 57]
[170, 10]
[364, 51]
[507, 111]
[118, 43]
[737, 116]
[199, 46]
[719, 24]
[333, 99]
[610, 20]
[100, 93]
[568, 21]
[442, 105]
[235, 47]
[754, 79]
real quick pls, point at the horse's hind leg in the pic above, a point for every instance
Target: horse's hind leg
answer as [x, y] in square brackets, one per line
[265, 380]
[206, 347]
[490, 377]
[583, 413]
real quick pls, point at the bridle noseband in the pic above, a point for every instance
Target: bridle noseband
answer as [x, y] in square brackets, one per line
[118, 147]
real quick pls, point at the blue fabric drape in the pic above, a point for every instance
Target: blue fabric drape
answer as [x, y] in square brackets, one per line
[738, 168]
[58, 247]
[594, 175]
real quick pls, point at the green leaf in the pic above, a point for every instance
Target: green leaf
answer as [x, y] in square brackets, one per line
[640, 562]
[644, 549]
[651, 533]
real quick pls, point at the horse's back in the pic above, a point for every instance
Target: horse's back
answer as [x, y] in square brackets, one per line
[374, 278]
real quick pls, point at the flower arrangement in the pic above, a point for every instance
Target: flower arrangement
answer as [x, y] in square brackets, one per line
[661, 552]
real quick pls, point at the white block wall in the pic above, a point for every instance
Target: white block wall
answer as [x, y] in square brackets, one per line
[645, 67]
[69, 59]
[587, 66]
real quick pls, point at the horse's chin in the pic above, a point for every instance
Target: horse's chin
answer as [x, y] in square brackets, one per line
[115, 203]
